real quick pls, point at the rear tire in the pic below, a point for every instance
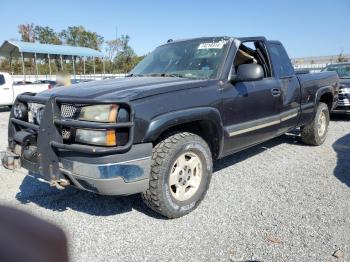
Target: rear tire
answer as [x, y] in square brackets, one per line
[315, 133]
[180, 175]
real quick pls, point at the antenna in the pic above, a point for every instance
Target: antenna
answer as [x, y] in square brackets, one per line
[116, 32]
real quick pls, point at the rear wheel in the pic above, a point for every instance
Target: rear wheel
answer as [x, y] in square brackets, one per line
[180, 175]
[315, 133]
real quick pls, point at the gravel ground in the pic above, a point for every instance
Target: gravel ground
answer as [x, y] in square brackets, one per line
[280, 201]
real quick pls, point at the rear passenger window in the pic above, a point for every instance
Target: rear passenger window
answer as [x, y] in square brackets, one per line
[280, 61]
[2, 80]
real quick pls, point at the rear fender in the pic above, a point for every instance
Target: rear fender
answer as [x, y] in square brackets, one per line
[320, 92]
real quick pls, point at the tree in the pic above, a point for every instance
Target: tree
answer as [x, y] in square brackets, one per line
[126, 58]
[112, 48]
[79, 36]
[27, 32]
[46, 35]
[341, 57]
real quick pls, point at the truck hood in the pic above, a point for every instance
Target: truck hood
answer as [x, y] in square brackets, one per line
[127, 89]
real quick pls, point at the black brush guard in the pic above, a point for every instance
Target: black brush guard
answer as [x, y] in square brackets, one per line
[49, 141]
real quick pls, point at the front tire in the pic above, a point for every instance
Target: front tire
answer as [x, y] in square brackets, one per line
[180, 175]
[315, 133]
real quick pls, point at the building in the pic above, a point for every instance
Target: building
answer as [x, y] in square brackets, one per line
[316, 63]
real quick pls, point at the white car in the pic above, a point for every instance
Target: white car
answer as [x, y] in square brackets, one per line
[9, 90]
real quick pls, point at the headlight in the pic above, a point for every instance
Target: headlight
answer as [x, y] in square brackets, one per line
[96, 137]
[99, 113]
[20, 111]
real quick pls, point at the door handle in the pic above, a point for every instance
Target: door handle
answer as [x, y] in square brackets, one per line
[275, 92]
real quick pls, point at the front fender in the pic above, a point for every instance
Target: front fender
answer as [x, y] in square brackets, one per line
[165, 121]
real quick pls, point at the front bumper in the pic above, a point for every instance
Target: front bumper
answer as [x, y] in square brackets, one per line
[120, 170]
[122, 174]
[341, 110]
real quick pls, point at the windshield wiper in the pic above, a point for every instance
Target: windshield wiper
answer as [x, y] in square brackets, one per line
[164, 75]
[173, 75]
[156, 74]
[134, 75]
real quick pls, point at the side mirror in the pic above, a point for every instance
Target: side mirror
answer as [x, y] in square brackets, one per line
[248, 72]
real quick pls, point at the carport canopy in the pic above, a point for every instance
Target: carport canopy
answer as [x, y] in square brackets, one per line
[40, 51]
[30, 50]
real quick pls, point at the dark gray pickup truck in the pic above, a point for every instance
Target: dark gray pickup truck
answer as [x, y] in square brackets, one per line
[158, 130]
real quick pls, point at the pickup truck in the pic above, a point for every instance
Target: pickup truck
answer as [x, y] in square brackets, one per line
[9, 90]
[158, 130]
[343, 71]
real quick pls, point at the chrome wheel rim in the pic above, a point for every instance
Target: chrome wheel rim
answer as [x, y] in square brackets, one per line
[322, 124]
[185, 176]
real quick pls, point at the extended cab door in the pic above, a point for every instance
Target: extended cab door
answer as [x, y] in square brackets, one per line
[290, 87]
[6, 91]
[251, 109]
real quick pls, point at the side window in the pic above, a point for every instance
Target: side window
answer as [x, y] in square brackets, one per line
[280, 61]
[252, 52]
[2, 80]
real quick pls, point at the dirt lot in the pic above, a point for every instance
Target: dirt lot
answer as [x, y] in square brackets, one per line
[280, 201]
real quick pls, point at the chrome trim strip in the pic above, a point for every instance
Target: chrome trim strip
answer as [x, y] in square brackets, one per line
[289, 117]
[238, 132]
[286, 116]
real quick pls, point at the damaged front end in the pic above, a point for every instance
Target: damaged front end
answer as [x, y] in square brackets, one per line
[42, 138]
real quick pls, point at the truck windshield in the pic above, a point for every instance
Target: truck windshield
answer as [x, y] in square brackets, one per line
[198, 59]
[342, 70]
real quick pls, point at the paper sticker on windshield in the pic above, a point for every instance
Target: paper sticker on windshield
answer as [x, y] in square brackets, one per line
[212, 45]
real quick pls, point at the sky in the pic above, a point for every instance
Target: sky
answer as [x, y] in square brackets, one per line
[306, 28]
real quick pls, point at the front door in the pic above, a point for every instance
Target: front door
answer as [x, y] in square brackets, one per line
[251, 109]
[251, 113]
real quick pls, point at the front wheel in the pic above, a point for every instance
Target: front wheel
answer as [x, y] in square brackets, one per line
[180, 175]
[315, 133]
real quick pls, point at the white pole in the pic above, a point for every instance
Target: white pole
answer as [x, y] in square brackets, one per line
[94, 68]
[61, 62]
[104, 66]
[48, 56]
[36, 67]
[23, 67]
[73, 67]
[84, 58]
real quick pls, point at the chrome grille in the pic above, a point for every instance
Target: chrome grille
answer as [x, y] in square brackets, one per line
[344, 102]
[69, 111]
[344, 97]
